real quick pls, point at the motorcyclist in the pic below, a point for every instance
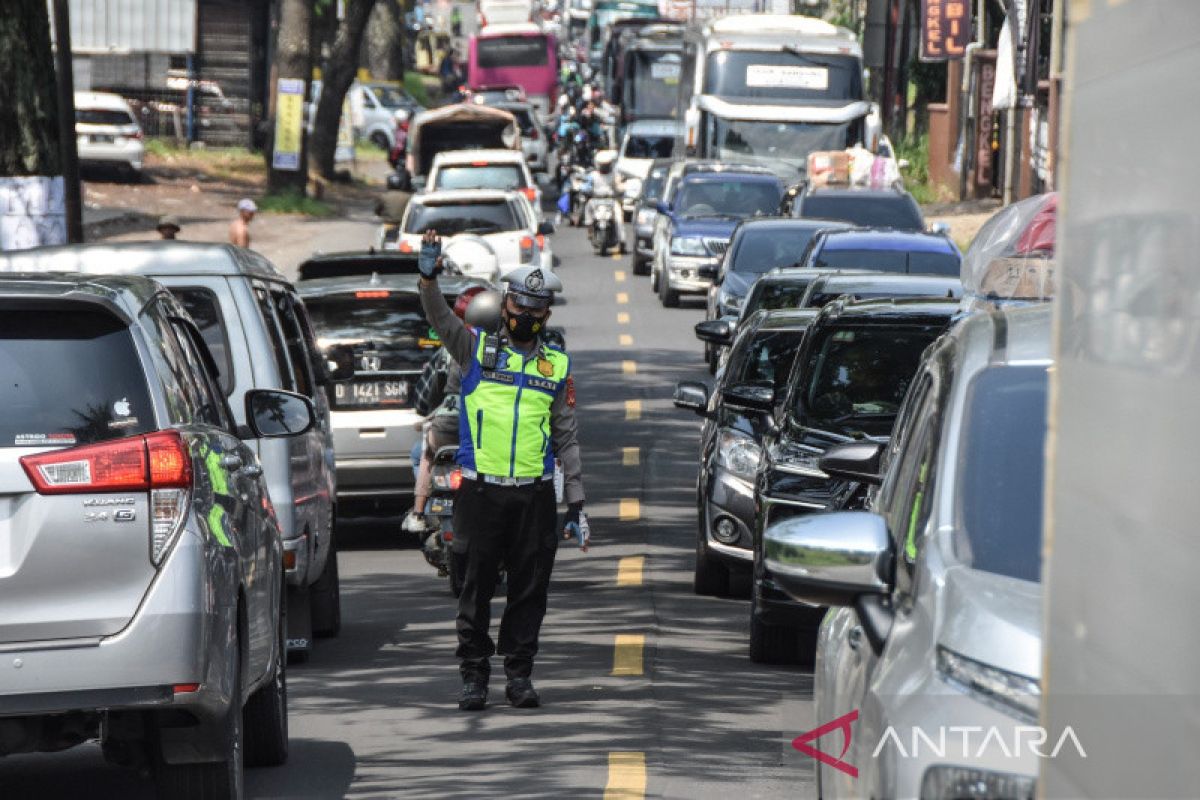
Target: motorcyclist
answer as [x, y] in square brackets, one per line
[602, 180]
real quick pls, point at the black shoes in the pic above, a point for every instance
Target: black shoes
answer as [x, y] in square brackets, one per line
[521, 694]
[474, 696]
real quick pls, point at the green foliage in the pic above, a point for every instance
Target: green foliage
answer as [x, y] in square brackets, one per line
[415, 86]
[916, 174]
[291, 202]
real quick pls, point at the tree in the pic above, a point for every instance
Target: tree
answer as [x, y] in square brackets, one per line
[384, 55]
[30, 155]
[336, 78]
[293, 62]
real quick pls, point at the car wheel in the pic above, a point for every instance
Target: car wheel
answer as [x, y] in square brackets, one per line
[771, 644]
[380, 140]
[669, 298]
[710, 578]
[653, 280]
[266, 716]
[327, 597]
[638, 267]
[211, 780]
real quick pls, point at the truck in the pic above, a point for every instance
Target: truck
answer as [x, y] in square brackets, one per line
[646, 84]
[772, 88]
[604, 14]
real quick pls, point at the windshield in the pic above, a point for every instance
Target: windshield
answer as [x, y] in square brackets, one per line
[774, 295]
[782, 75]
[780, 142]
[856, 377]
[652, 88]
[390, 97]
[451, 218]
[649, 146]
[504, 177]
[769, 358]
[95, 390]
[889, 261]
[899, 211]
[762, 248]
[652, 187]
[1000, 466]
[511, 51]
[726, 195]
[103, 116]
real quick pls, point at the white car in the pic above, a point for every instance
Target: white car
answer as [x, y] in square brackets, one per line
[644, 141]
[501, 170]
[107, 132]
[534, 142]
[501, 224]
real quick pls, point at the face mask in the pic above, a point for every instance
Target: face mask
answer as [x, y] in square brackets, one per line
[524, 326]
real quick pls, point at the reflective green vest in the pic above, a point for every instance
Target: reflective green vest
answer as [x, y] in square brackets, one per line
[504, 423]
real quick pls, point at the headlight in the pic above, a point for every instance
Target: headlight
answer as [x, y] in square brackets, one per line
[968, 783]
[730, 303]
[1013, 693]
[645, 216]
[688, 246]
[738, 453]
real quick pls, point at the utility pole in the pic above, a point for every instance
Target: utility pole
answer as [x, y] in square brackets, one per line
[72, 193]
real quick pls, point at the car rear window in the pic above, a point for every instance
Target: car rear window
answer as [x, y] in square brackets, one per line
[762, 249]
[71, 376]
[504, 177]
[452, 218]
[512, 51]
[103, 116]
[889, 261]
[650, 147]
[356, 316]
[898, 212]
[205, 309]
[772, 296]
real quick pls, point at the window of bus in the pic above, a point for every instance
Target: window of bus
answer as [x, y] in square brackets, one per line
[782, 75]
[512, 51]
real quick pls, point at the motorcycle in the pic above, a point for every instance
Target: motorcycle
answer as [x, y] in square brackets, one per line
[439, 512]
[578, 195]
[603, 230]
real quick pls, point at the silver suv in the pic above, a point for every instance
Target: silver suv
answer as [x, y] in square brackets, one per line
[141, 577]
[259, 333]
[930, 658]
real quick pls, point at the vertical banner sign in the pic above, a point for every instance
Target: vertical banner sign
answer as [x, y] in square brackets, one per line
[945, 29]
[345, 140]
[289, 124]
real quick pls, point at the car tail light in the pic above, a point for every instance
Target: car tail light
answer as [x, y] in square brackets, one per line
[526, 249]
[372, 294]
[541, 240]
[530, 193]
[137, 135]
[185, 688]
[405, 247]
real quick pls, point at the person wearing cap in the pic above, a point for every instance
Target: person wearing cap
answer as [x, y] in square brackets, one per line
[168, 226]
[239, 229]
[517, 414]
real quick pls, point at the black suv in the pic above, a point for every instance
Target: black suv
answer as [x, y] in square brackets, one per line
[846, 385]
[892, 207]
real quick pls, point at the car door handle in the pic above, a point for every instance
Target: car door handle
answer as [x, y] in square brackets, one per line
[854, 637]
[231, 463]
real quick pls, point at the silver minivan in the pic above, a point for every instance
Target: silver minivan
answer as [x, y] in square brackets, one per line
[141, 567]
[259, 334]
[929, 661]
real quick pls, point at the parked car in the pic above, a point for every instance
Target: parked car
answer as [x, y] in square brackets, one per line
[847, 383]
[645, 142]
[758, 246]
[260, 337]
[502, 223]
[365, 310]
[869, 208]
[372, 110]
[503, 170]
[950, 632]
[107, 133]
[143, 568]
[885, 251]
[759, 362]
[856, 285]
[702, 204]
[645, 213]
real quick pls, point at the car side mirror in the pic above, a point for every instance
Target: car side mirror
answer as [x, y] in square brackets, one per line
[750, 397]
[662, 207]
[545, 228]
[714, 331]
[854, 461]
[340, 360]
[692, 395]
[830, 559]
[940, 228]
[707, 271]
[272, 413]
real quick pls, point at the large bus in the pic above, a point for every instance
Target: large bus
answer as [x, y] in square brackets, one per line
[515, 55]
[604, 14]
[771, 88]
[647, 83]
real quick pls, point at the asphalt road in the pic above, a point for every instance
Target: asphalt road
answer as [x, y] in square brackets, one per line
[373, 715]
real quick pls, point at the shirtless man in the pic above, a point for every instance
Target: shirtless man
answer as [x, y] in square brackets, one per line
[239, 229]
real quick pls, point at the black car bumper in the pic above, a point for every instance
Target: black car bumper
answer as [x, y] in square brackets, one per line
[730, 498]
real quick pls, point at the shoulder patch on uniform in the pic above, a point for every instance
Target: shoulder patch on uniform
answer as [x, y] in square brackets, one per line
[571, 391]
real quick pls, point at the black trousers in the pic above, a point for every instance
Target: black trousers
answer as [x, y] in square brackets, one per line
[515, 526]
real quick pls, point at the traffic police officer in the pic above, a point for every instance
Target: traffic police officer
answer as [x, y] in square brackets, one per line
[516, 415]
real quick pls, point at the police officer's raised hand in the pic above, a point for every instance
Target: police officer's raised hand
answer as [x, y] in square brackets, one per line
[429, 263]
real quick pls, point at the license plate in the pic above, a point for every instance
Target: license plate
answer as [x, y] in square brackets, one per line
[101, 139]
[371, 393]
[441, 507]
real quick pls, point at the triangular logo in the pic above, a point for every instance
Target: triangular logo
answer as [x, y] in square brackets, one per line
[842, 723]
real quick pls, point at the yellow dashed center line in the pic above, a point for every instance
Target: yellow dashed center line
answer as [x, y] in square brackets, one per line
[630, 509]
[629, 367]
[629, 570]
[622, 317]
[627, 654]
[631, 456]
[625, 339]
[619, 275]
[622, 298]
[626, 776]
[633, 410]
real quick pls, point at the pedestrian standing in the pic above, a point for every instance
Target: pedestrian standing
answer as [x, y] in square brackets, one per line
[517, 408]
[168, 226]
[239, 229]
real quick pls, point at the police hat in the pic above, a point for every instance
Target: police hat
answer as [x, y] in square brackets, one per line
[532, 287]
